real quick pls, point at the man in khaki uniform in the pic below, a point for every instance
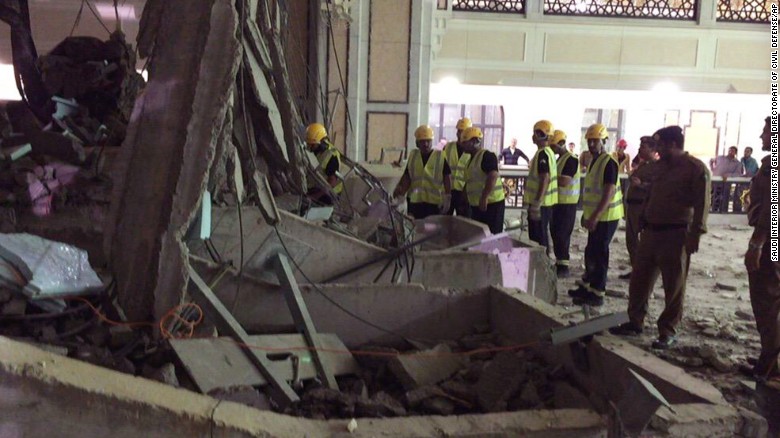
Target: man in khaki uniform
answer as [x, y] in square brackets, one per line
[636, 195]
[675, 218]
[763, 273]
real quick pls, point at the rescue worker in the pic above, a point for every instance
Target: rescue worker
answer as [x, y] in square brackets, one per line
[329, 159]
[763, 273]
[636, 194]
[458, 160]
[541, 185]
[564, 213]
[675, 217]
[427, 178]
[484, 189]
[602, 209]
[622, 158]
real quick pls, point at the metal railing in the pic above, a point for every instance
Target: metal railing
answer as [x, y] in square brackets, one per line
[725, 195]
[665, 9]
[744, 11]
[500, 6]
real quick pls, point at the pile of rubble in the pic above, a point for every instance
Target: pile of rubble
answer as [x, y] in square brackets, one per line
[52, 154]
[470, 376]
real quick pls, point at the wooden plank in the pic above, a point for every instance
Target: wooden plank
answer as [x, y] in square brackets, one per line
[302, 319]
[281, 392]
[220, 363]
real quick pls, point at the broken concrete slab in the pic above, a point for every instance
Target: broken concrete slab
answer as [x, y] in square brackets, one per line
[220, 363]
[426, 367]
[499, 380]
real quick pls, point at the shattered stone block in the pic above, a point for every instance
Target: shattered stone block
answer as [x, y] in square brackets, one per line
[120, 336]
[426, 368]
[500, 379]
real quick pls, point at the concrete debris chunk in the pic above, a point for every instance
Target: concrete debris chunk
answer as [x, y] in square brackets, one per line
[460, 390]
[165, 374]
[414, 397]
[499, 380]
[426, 368]
[711, 357]
[568, 397]
[245, 395]
[745, 316]
[16, 307]
[439, 406]
[379, 406]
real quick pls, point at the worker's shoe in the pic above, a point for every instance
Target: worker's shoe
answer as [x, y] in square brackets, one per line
[626, 276]
[664, 342]
[627, 329]
[589, 299]
[580, 292]
[561, 271]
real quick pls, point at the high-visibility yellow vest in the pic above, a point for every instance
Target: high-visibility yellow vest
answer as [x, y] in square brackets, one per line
[475, 182]
[457, 165]
[532, 182]
[324, 158]
[571, 193]
[427, 180]
[594, 188]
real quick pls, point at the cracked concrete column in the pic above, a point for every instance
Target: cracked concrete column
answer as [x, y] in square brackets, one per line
[169, 148]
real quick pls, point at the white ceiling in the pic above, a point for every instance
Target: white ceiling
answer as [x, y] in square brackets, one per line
[52, 21]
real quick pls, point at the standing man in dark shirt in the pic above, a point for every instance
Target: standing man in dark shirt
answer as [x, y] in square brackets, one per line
[636, 194]
[602, 209]
[541, 185]
[564, 213]
[329, 160]
[763, 273]
[510, 155]
[427, 178]
[484, 189]
[675, 217]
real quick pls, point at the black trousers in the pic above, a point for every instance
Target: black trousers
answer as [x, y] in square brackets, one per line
[561, 227]
[597, 256]
[459, 204]
[493, 217]
[421, 210]
[537, 230]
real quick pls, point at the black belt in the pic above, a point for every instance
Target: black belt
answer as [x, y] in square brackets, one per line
[634, 201]
[665, 227]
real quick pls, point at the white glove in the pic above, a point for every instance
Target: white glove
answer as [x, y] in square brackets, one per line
[445, 206]
[534, 212]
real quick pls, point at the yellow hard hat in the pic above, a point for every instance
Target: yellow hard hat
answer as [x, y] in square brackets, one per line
[472, 132]
[545, 126]
[315, 133]
[557, 137]
[596, 131]
[423, 132]
[463, 124]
